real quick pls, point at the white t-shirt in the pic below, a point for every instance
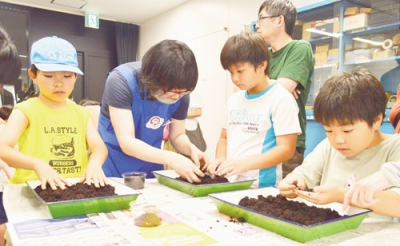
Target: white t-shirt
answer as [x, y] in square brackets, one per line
[252, 124]
[195, 102]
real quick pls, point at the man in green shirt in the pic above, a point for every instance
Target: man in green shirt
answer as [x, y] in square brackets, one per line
[291, 62]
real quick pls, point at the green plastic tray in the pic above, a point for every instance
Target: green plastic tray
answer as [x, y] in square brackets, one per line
[168, 178]
[91, 205]
[227, 203]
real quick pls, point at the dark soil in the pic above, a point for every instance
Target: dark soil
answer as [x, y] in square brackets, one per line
[208, 180]
[281, 207]
[74, 192]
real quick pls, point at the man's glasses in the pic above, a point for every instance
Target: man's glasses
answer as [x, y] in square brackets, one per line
[265, 17]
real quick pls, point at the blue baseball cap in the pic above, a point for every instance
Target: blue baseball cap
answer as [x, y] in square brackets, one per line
[53, 54]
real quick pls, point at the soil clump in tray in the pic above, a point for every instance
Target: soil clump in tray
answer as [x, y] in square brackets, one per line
[208, 180]
[75, 192]
[295, 211]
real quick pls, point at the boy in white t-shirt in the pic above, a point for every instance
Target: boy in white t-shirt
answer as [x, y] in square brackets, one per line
[261, 125]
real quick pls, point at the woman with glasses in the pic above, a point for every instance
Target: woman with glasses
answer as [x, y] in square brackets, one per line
[139, 100]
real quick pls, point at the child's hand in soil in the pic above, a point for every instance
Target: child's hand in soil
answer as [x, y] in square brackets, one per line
[184, 167]
[94, 175]
[232, 167]
[47, 175]
[290, 184]
[213, 166]
[323, 194]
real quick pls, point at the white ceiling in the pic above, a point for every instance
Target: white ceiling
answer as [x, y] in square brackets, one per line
[129, 11]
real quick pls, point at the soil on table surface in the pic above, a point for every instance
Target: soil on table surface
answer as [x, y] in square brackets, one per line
[295, 211]
[75, 192]
[208, 180]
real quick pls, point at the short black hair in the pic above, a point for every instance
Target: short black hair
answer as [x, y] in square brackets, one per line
[170, 64]
[5, 111]
[10, 63]
[245, 47]
[284, 8]
[350, 97]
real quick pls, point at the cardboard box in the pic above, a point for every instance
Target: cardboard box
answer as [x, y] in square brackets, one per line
[380, 3]
[365, 10]
[321, 48]
[321, 55]
[320, 62]
[358, 55]
[348, 47]
[361, 45]
[357, 21]
[351, 11]
[333, 52]
[333, 60]
[382, 54]
[388, 9]
[306, 35]
[381, 18]
[321, 58]
[333, 27]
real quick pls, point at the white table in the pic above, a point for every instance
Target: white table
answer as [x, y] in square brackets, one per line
[185, 219]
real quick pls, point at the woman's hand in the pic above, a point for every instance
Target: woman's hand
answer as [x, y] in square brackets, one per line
[199, 157]
[184, 167]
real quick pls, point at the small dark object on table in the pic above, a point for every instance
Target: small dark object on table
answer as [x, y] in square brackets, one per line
[295, 211]
[75, 192]
[240, 220]
[208, 180]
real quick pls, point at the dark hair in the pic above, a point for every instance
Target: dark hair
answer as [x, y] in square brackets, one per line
[347, 98]
[10, 63]
[87, 102]
[245, 47]
[170, 64]
[5, 111]
[284, 8]
[34, 69]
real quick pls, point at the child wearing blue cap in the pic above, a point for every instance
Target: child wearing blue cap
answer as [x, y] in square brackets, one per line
[53, 133]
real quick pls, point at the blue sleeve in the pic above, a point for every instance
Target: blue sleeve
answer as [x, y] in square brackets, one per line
[116, 93]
